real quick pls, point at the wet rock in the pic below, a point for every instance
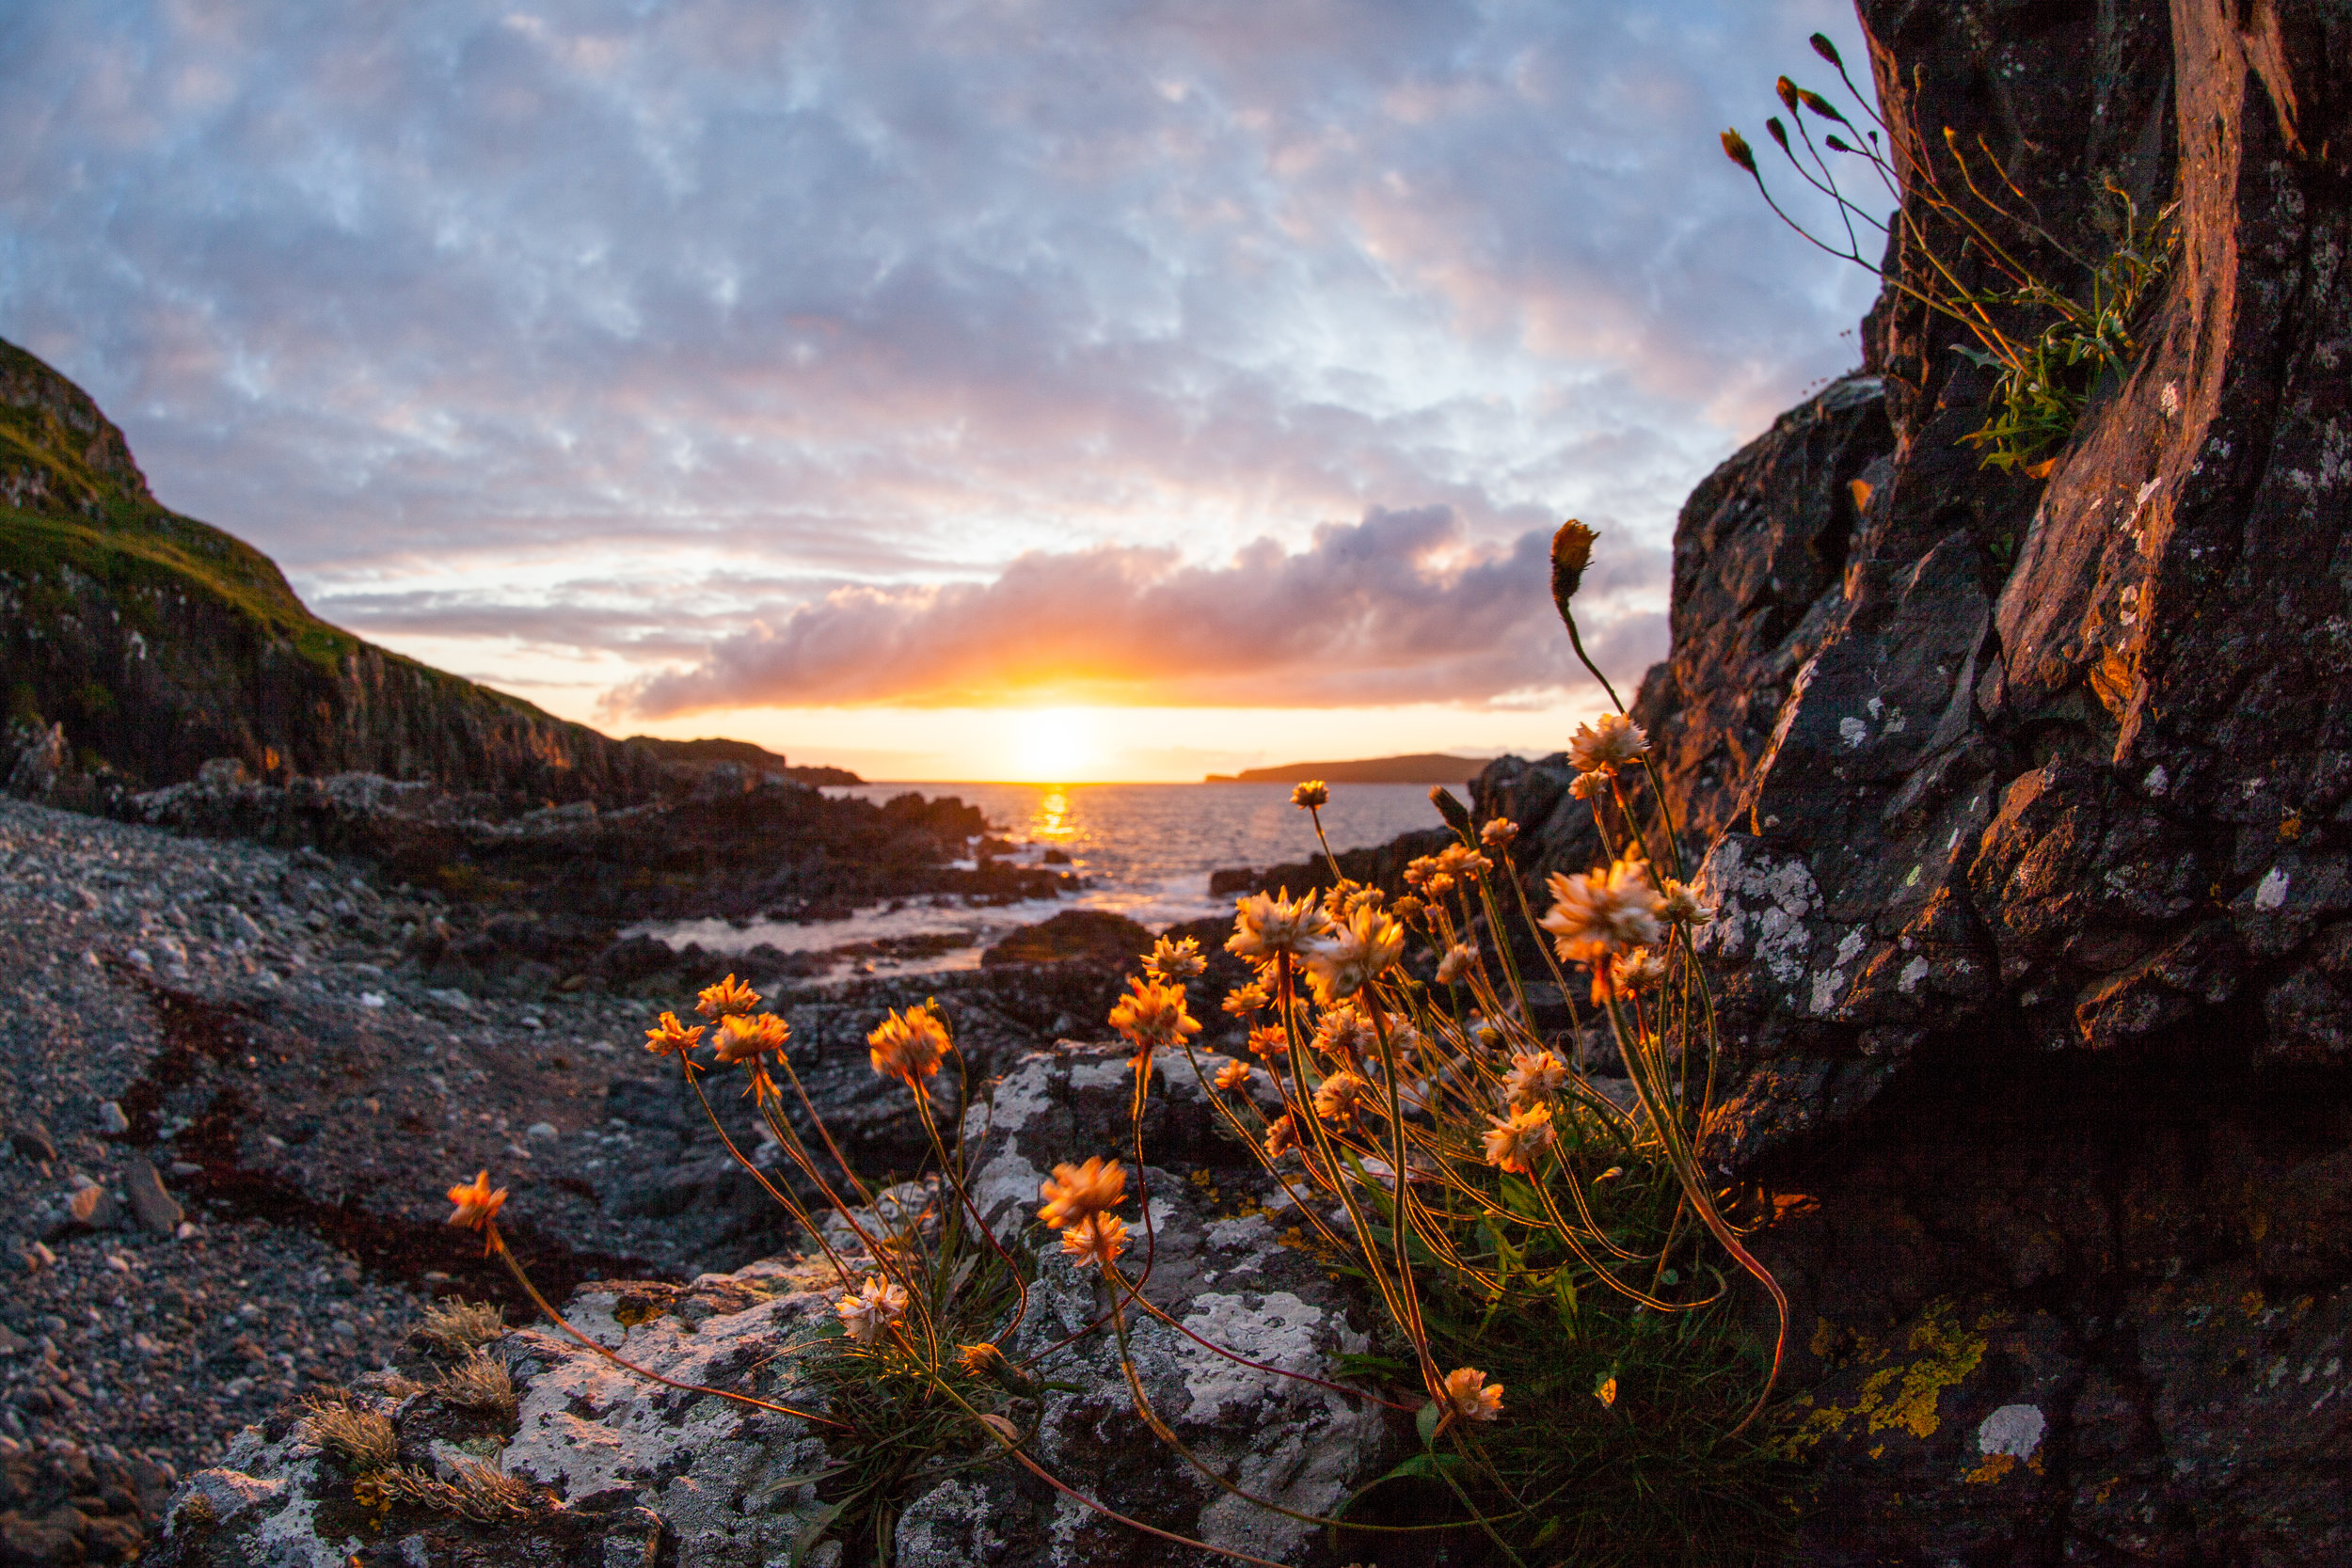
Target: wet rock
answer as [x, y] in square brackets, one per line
[1073, 934]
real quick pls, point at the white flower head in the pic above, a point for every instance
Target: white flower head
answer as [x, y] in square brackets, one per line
[1596, 915]
[867, 1311]
[1609, 742]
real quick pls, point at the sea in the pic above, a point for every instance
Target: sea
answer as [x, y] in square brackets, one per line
[1144, 850]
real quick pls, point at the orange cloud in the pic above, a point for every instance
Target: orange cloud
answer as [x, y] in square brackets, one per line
[1404, 607]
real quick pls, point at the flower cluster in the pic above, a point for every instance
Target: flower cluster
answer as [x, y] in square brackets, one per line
[1077, 1203]
[1269, 927]
[1153, 1015]
[908, 1046]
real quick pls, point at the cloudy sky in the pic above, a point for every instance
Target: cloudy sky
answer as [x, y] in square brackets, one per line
[948, 389]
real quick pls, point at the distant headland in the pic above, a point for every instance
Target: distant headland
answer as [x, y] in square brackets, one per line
[1420, 767]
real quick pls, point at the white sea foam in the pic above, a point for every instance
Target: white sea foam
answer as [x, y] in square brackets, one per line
[1142, 850]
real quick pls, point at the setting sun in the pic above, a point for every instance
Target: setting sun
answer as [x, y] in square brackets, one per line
[1053, 745]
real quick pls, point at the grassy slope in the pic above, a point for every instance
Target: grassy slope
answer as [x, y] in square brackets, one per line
[102, 522]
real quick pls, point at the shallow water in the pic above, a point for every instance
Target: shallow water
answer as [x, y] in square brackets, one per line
[1145, 851]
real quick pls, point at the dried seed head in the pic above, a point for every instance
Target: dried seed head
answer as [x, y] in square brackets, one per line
[479, 1383]
[460, 1327]
[361, 1438]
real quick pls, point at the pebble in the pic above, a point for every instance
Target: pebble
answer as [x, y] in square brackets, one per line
[111, 1120]
[93, 1208]
[154, 1208]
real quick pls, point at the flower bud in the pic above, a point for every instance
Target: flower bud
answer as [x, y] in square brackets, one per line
[1820, 105]
[1457, 815]
[1572, 547]
[1827, 50]
[1786, 89]
[1778, 132]
[1736, 149]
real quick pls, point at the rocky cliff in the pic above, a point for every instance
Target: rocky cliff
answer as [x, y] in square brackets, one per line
[2026, 805]
[136, 645]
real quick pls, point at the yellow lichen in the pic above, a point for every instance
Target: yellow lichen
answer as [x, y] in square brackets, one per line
[1945, 1355]
[1996, 1466]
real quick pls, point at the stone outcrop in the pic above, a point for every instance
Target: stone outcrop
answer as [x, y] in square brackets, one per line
[2024, 804]
[617, 1469]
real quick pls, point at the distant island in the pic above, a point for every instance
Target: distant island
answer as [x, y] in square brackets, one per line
[745, 755]
[1420, 767]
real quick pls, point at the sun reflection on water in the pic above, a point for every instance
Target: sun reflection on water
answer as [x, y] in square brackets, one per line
[1051, 820]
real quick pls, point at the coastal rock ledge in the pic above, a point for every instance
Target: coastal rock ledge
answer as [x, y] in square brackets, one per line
[618, 1470]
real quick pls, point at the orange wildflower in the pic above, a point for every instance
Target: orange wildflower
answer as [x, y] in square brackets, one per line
[670, 1037]
[729, 995]
[1341, 1097]
[745, 1038]
[1098, 1240]
[1513, 1144]
[1073, 1192]
[908, 1046]
[1268, 925]
[1609, 742]
[1469, 1395]
[1535, 1077]
[1174, 963]
[1151, 1015]
[1599, 914]
[477, 1205]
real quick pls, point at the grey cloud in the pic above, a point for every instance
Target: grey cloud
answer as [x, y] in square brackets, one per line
[900, 292]
[1403, 607]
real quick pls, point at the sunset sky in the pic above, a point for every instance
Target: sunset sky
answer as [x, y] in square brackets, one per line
[946, 390]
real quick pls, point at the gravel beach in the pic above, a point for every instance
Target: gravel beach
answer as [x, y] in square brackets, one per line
[232, 1096]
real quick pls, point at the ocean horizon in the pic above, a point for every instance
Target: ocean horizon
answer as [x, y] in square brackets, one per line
[1144, 850]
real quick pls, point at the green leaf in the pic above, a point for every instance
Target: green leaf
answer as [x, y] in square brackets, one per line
[1425, 1422]
[1371, 1366]
[1564, 1290]
[812, 1532]
[769, 1491]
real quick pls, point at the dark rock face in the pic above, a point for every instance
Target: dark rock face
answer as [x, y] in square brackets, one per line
[2026, 807]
